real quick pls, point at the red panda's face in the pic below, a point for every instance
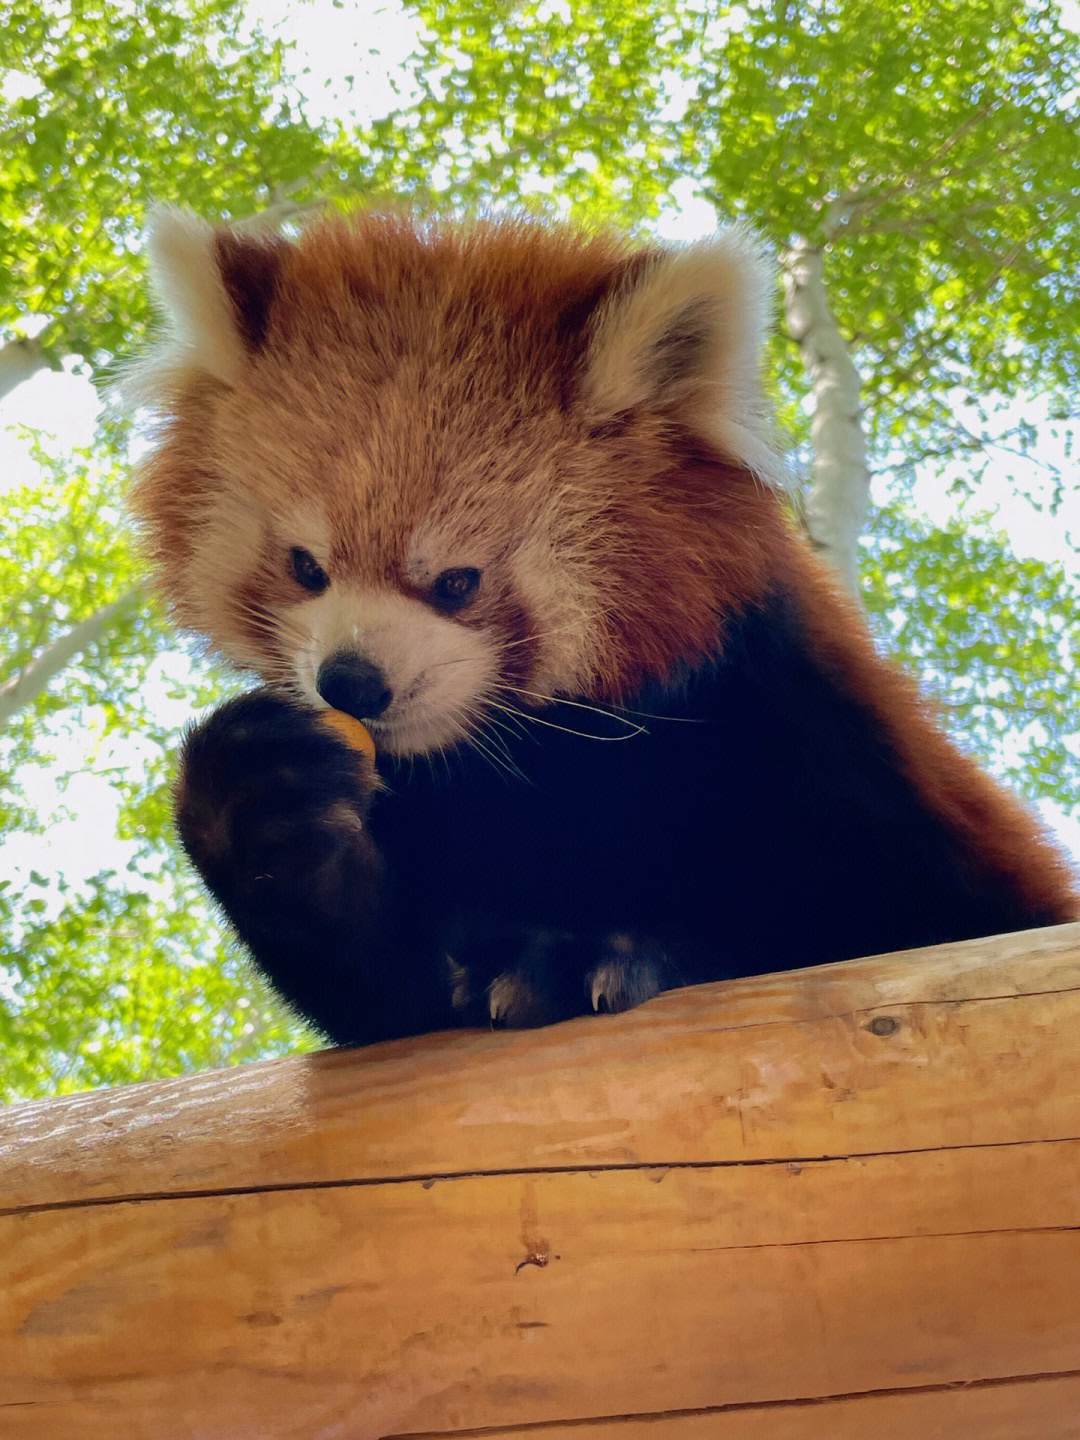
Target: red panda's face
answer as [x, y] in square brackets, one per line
[432, 478]
[401, 556]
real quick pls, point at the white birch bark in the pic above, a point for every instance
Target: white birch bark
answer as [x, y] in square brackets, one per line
[22, 688]
[19, 359]
[839, 478]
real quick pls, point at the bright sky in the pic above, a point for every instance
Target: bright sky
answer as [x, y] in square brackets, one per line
[368, 41]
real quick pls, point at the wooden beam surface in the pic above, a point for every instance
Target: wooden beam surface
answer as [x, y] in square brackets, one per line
[1043, 1409]
[835, 1202]
[773, 1067]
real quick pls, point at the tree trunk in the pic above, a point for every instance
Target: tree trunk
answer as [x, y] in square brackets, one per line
[19, 359]
[840, 480]
[27, 684]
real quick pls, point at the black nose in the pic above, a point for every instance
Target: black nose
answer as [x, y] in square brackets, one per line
[348, 682]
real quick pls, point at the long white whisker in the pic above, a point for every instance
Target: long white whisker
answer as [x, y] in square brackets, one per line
[577, 705]
[535, 635]
[515, 726]
[499, 743]
[529, 717]
[584, 734]
[512, 731]
[489, 746]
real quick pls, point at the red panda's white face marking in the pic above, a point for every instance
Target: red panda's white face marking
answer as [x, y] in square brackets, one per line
[441, 672]
[570, 420]
[438, 673]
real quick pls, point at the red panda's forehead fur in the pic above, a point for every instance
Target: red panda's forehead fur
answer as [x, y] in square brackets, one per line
[417, 379]
[420, 386]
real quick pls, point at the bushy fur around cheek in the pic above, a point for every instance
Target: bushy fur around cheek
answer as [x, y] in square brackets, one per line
[562, 600]
[228, 540]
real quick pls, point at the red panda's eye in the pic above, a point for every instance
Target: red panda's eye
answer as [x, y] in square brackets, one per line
[307, 571]
[454, 589]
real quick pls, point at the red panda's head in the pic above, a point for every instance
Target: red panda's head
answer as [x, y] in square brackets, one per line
[420, 473]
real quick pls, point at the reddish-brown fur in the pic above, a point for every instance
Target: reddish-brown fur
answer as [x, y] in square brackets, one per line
[996, 825]
[381, 322]
[414, 376]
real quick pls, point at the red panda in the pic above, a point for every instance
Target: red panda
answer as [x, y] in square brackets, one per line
[508, 494]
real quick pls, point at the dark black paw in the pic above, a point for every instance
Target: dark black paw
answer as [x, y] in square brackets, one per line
[515, 977]
[632, 969]
[533, 976]
[271, 806]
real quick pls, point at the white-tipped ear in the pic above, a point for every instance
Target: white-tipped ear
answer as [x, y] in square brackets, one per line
[685, 337]
[187, 282]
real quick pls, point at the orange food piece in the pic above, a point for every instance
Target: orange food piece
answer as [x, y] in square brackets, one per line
[350, 730]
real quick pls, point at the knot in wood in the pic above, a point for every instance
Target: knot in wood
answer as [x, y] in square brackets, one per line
[884, 1025]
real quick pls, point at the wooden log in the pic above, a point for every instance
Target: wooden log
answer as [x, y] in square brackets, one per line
[836, 1202]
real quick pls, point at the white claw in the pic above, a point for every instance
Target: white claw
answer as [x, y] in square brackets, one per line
[600, 981]
[460, 994]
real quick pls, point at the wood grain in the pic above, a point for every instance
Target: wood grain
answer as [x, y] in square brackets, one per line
[773, 1067]
[836, 1202]
[1044, 1409]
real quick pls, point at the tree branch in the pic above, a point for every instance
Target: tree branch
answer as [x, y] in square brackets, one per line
[27, 684]
[282, 207]
[857, 204]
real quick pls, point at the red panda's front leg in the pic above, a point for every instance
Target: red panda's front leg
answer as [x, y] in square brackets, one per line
[272, 808]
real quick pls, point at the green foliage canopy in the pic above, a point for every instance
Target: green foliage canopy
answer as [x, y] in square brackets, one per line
[932, 148]
[108, 108]
[993, 636]
[122, 973]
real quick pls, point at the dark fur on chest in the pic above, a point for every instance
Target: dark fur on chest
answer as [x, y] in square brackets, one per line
[757, 820]
[762, 813]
